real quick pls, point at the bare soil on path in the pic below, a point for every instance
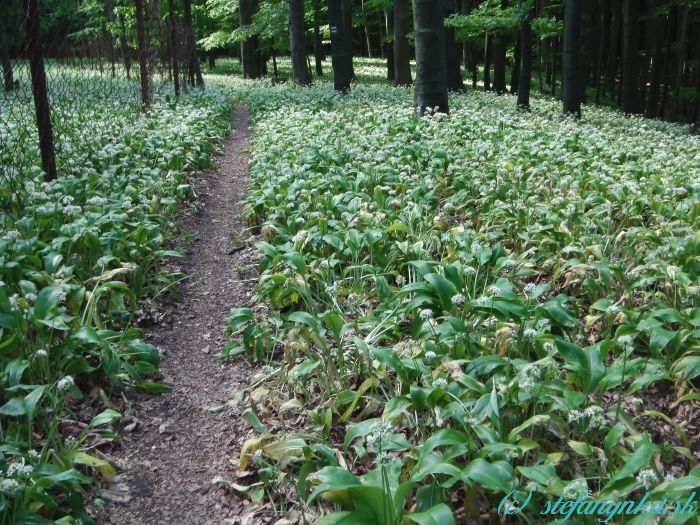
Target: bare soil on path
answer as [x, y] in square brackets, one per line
[176, 449]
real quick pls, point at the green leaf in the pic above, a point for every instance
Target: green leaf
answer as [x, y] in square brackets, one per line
[444, 289]
[305, 319]
[153, 388]
[102, 466]
[252, 418]
[498, 475]
[438, 515]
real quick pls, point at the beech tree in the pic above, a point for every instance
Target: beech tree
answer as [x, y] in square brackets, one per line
[402, 50]
[572, 58]
[297, 42]
[342, 60]
[431, 74]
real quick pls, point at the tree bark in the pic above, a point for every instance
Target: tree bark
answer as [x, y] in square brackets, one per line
[318, 42]
[39, 89]
[453, 61]
[368, 41]
[525, 78]
[172, 22]
[126, 57]
[630, 57]
[297, 42]
[402, 51]
[658, 37]
[499, 60]
[612, 65]
[487, 61]
[572, 58]
[390, 61]
[603, 48]
[194, 69]
[142, 53]
[680, 58]
[515, 72]
[8, 80]
[249, 48]
[431, 75]
[342, 74]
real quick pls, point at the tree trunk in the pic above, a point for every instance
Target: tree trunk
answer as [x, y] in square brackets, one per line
[499, 60]
[453, 61]
[525, 77]
[39, 89]
[658, 38]
[515, 72]
[431, 75]
[680, 58]
[612, 65]
[402, 51]
[603, 48]
[8, 80]
[249, 51]
[346, 6]
[297, 42]
[126, 57]
[572, 58]
[366, 28]
[143, 55]
[172, 22]
[109, 15]
[390, 62]
[318, 42]
[487, 62]
[342, 74]
[630, 57]
[193, 67]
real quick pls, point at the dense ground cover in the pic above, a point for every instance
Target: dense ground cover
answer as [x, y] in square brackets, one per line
[76, 256]
[470, 305]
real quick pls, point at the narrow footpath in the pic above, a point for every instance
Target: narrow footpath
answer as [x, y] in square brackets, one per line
[176, 448]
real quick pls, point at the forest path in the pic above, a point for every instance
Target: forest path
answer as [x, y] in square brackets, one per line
[177, 448]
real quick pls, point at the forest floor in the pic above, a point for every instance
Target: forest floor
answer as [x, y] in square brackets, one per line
[180, 442]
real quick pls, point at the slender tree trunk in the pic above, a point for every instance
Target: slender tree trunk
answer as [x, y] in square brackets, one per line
[194, 68]
[39, 89]
[143, 57]
[8, 80]
[249, 48]
[402, 51]
[603, 48]
[381, 27]
[453, 60]
[431, 75]
[126, 57]
[297, 42]
[487, 61]
[342, 74]
[318, 42]
[499, 61]
[680, 59]
[109, 15]
[612, 65]
[525, 77]
[390, 60]
[366, 28]
[572, 58]
[630, 57]
[172, 22]
[554, 65]
[348, 30]
[658, 38]
[465, 8]
[515, 72]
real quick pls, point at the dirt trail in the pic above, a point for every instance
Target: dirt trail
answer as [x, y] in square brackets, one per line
[177, 449]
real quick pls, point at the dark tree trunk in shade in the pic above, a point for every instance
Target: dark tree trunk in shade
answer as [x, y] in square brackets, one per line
[515, 71]
[249, 51]
[297, 42]
[614, 49]
[453, 59]
[680, 58]
[431, 75]
[39, 90]
[8, 80]
[346, 6]
[402, 50]
[487, 61]
[365, 26]
[390, 62]
[193, 67]
[602, 48]
[342, 74]
[658, 38]
[318, 42]
[381, 29]
[630, 57]
[572, 58]
[143, 57]
[174, 48]
[499, 59]
[667, 62]
[126, 56]
[525, 78]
